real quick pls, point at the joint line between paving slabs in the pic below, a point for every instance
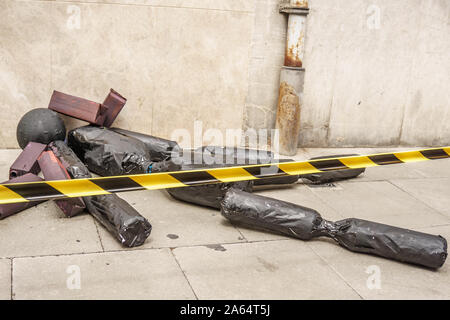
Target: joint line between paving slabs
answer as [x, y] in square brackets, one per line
[99, 237]
[426, 205]
[12, 291]
[335, 271]
[184, 274]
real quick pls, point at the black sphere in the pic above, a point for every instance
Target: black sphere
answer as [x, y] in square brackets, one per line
[40, 125]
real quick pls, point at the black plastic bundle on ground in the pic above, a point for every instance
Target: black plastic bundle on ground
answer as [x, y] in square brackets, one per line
[354, 234]
[109, 153]
[126, 224]
[234, 156]
[331, 176]
[208, 195]
[159, 149]
[211, 195]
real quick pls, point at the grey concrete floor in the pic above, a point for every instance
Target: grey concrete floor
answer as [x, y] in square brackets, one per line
[194, 253]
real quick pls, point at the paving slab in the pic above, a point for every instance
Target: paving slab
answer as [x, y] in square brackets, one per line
[382, 202]
[175, 223]
[379, 278]
[44, 230]
[144, 274]
[263, 270]
[434, 192]
[298, 194]
[5, 279]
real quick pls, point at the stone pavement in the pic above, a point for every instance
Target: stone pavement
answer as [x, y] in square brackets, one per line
[194, 253]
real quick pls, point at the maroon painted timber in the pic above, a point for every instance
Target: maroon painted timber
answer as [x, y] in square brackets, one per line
[27, 162]
[114, 103]
[52, 169]
[11, 208]
[78, 108]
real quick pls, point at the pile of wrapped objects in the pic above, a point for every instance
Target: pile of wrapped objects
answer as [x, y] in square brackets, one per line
[107, 151]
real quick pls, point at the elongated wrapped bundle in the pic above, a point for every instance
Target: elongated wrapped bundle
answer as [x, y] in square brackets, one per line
[211, 195]
[159, 149]
[354, 234]
[234, 156]
[108, 153]
[115, 214]
[331, 176]
[208, 195]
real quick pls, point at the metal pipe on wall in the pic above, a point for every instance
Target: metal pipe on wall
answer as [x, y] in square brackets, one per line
[290, 99]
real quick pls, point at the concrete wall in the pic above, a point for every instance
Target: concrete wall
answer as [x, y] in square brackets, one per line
[377, 72]
[218, 62]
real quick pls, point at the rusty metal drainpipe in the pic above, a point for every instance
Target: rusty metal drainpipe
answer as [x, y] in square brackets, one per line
[292, 77]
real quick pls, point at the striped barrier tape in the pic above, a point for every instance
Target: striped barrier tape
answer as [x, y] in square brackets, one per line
[46, 190]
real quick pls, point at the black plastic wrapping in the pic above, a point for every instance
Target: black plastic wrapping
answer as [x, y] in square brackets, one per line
[159, 149]
[271, 214]
[208, 195]
[108, 153]
[331, 176]
[211, 195]
[120, 218]
[390, 242]
[115, 214]
[216, 157]
[354, 234]
[234, 156]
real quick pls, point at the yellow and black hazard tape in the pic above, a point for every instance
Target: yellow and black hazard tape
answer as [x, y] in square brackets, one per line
[45, 190]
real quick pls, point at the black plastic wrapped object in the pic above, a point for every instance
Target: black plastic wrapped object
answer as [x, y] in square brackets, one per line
[159, 149]
[390, 242]
[211, 195]
[234, 156]
[70, 161]
[208, 195]
[120, 218]
[331, 176]
[354, 234]
[218, 157]
[108, 153]
[271, 214]
[114, 213]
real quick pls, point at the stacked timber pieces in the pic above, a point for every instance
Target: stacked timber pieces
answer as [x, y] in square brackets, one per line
[35, 158]
[101, 114]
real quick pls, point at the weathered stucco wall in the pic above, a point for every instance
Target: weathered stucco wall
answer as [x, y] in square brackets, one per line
[175, 61]
[377, 73]
[369, 81]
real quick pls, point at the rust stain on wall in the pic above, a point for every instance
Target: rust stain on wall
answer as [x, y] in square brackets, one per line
[288, 119]
[301, 3]
[292, 59]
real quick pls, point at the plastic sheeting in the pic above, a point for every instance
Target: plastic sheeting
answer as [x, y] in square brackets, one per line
[211, 195]
[107, 153]
[234, 156]
[354, 234]
[159, 149]
[331, 176]
[115, 214]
